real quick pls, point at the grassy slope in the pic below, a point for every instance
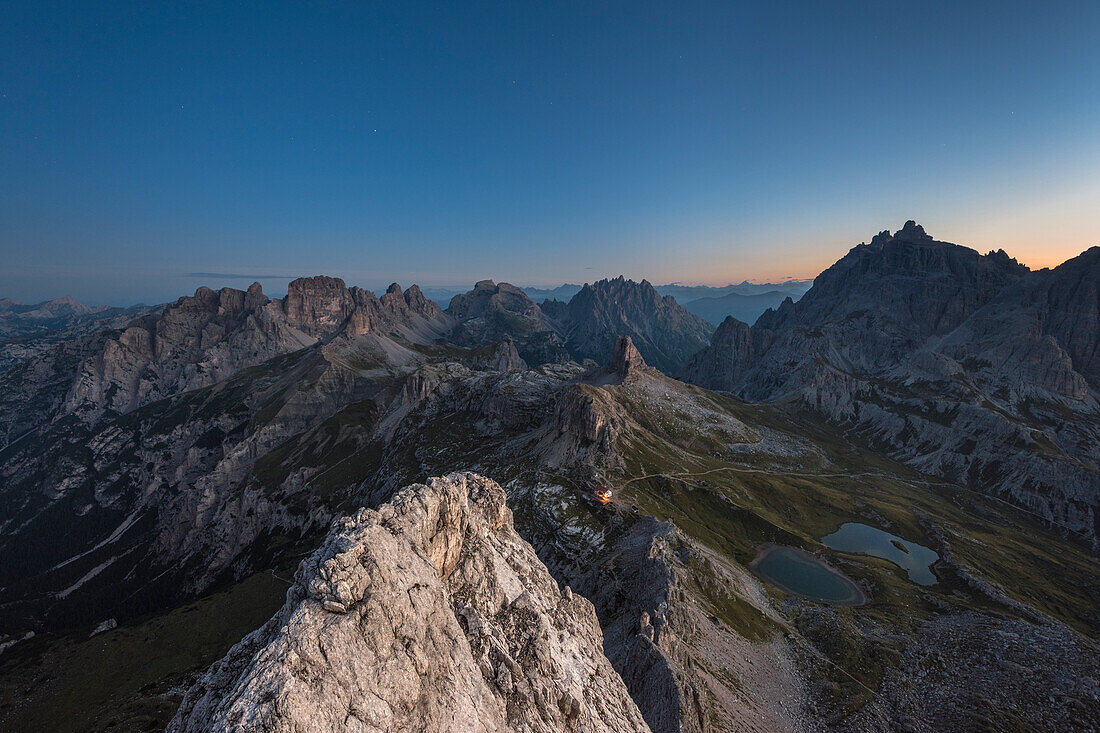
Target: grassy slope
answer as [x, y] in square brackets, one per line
[126, 679]
[732, 502]
[742, 504]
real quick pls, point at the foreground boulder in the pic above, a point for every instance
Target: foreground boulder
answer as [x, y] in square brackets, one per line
[430, 614]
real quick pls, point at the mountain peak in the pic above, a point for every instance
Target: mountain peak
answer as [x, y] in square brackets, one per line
[489, 296]
[662, 328]
[912, 232]
[316, 305]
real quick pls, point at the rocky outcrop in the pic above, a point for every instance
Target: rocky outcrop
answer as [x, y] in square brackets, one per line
[501, 357]
[731, 352]
[663, 330]
[430, 614]
[488, 297]
[1067, 305]
[317, 305]
[407, 314]
[625, 358]
[966, 365]
[201, 340]
[587, 424]
[198, 341]
[324, 306]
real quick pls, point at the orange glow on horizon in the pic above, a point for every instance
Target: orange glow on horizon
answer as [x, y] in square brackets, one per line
[1048, 255]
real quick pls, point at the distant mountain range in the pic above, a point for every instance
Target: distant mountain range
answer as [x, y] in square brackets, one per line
[683, 293]
[18, 318]
[746, 308]
[27, 330]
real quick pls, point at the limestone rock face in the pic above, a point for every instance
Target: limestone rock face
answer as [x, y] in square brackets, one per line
[625, 357]
[1069, 306]
[430, 614]
[501, 357]
[489, 297]
[317, 305]
[732, 350]
[507, 358]
[199, 341]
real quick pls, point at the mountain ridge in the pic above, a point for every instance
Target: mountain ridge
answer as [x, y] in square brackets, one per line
[951, 359]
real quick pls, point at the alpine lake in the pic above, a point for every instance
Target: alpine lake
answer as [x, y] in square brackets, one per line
[803, 574]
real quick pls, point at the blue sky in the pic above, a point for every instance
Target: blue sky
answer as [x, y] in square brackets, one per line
[532, 142]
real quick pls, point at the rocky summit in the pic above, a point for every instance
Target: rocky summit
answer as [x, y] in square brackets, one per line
[428, 614]
[664, 331]
[491, 312]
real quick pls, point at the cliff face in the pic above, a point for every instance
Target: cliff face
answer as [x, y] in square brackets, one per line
[430, 614]
[198, 341]
[961, 364]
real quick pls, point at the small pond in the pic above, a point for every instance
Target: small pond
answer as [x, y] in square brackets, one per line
[800, 573]
[913, 558]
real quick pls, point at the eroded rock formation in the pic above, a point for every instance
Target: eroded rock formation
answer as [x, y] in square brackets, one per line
[430, 614]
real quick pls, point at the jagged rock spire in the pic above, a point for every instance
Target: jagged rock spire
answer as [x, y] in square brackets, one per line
[507, 358]
[625, 357]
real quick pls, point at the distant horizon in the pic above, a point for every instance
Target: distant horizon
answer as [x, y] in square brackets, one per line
[244, 281]
[275, 285]
[440, 144]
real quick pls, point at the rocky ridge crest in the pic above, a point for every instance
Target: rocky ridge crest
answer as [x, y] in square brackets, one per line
[429, 614]
[201, 340]
[584, 328]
